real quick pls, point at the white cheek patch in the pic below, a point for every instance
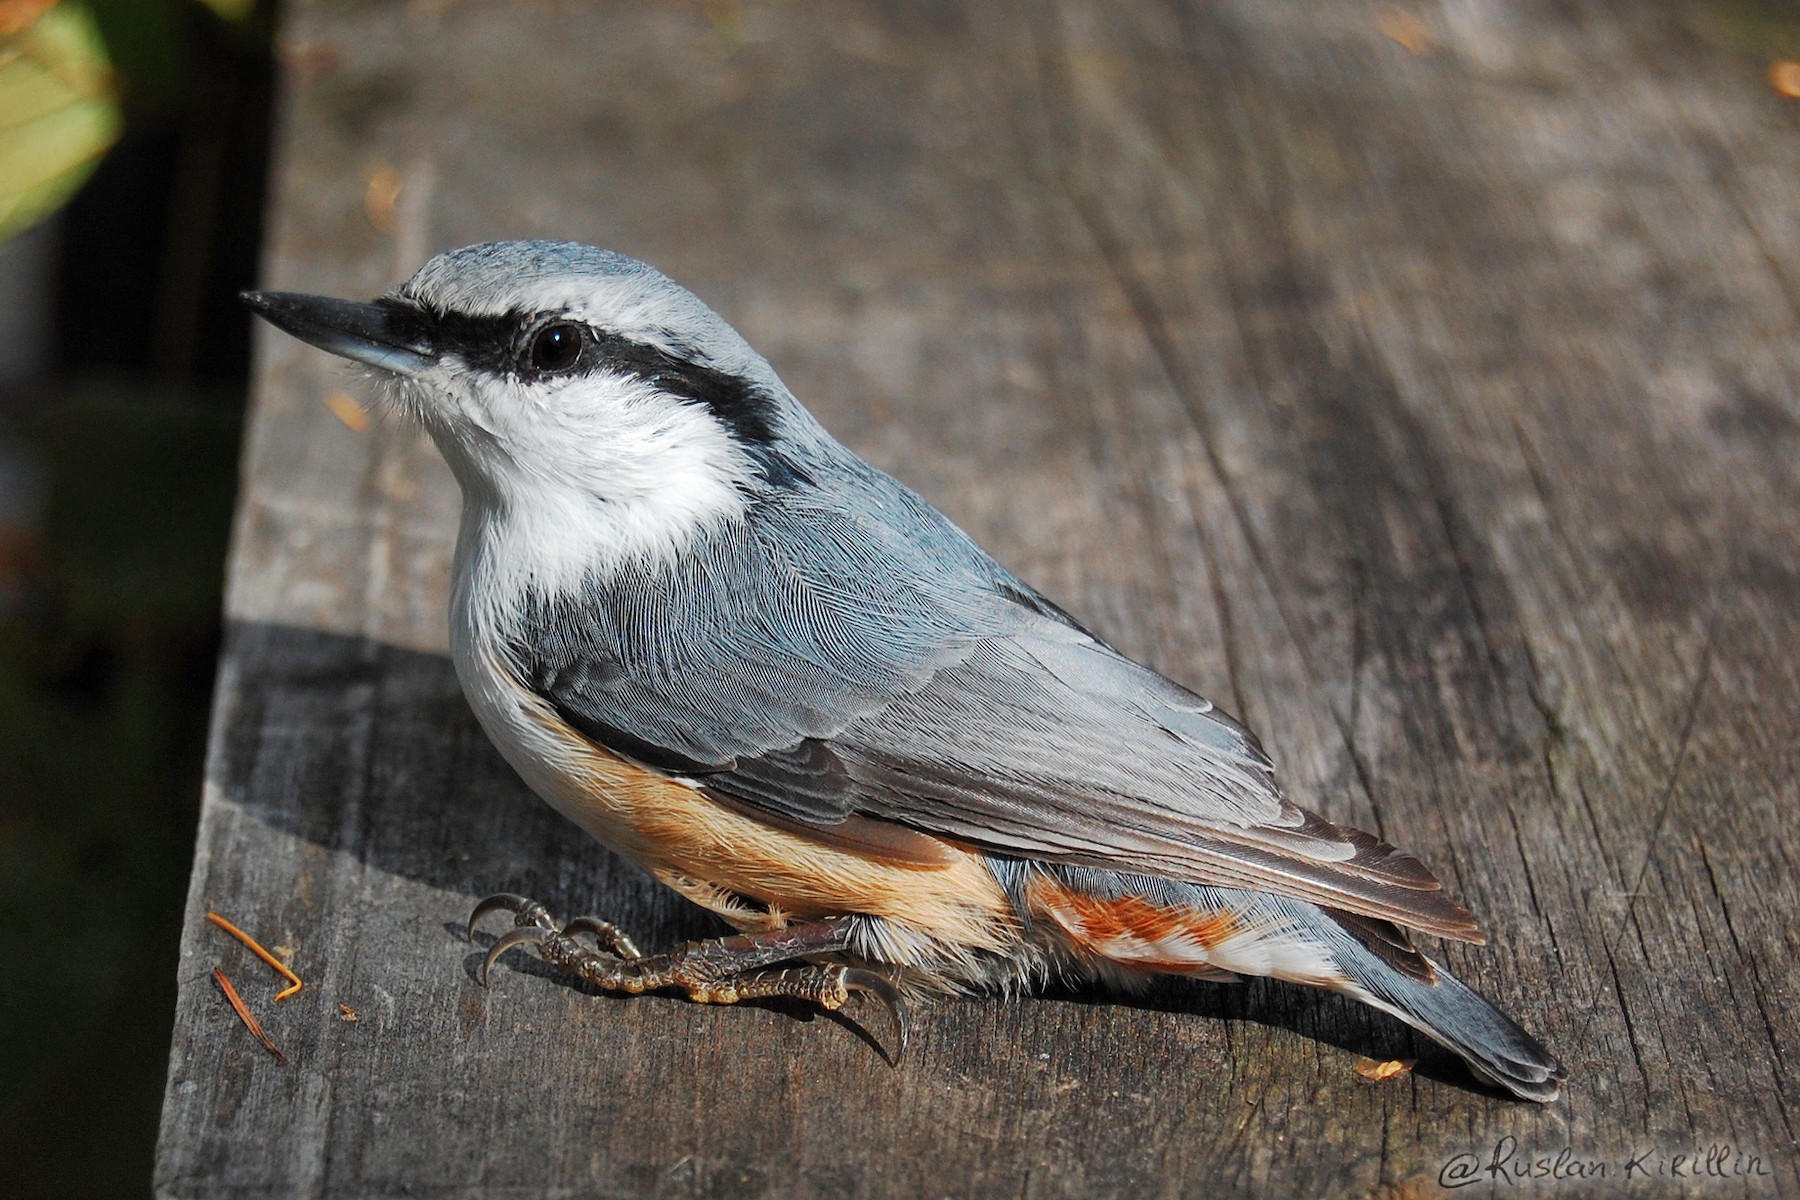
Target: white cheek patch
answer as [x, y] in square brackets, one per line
[568, 477]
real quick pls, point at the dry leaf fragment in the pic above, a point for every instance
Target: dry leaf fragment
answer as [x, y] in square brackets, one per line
[1406, 31]
[382, 198]
[256, 949]
[1784, 77]
[344, 407]
[346, 1013]
[251, 1023]
[307, 61]
[1368, 1068]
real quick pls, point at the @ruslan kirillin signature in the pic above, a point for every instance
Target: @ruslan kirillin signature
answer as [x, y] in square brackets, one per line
[1511, 1164]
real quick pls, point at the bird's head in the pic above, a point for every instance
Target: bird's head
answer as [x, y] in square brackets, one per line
[559, 378]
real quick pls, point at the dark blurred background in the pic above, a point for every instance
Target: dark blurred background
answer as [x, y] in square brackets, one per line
[123, 364]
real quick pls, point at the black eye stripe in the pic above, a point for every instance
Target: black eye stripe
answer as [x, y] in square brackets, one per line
[502, 345]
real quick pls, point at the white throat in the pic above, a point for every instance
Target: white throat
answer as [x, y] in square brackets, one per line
[560, 485]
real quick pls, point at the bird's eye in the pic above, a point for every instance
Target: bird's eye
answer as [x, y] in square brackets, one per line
[555, 347]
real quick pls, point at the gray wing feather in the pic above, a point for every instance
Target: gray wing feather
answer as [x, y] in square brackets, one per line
[827, 650]
[813, 664]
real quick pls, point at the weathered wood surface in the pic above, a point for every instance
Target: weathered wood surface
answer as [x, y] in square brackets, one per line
[1432, 405]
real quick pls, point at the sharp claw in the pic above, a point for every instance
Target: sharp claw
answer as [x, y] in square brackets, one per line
[500, 900]
[520, 935]
[856, 979]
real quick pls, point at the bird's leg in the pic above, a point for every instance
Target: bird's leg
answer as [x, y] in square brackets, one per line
[721, 971]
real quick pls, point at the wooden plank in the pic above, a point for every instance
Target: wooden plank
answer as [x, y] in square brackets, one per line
[1419, 383]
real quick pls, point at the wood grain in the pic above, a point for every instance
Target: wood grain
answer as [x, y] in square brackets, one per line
[1417, 381]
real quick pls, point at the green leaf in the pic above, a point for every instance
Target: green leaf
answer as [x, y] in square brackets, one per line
[58, 113]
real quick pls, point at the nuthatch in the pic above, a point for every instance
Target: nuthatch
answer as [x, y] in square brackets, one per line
[793, 691]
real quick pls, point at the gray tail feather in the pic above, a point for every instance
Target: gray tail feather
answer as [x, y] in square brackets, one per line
[1457, 1017]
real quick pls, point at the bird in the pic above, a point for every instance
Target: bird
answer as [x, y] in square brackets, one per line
[787, 687]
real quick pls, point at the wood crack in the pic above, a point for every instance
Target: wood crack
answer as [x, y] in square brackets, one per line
[1748, 962]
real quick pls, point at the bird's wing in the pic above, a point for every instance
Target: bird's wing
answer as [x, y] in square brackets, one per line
[814, 668]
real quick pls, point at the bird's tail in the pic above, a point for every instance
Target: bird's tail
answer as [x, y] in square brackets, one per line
[1454, 1015]
[1157, 926]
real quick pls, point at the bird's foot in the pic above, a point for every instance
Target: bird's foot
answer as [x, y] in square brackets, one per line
[529, 915]
[725, 970]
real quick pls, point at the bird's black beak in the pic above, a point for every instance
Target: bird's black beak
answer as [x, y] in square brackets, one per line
[385, 334]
